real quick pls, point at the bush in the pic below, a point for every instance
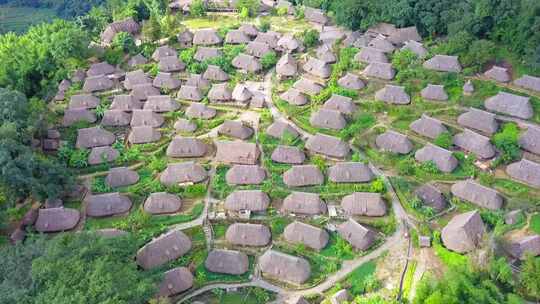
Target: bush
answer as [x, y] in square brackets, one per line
[406, 166]
[124, 42]
[269, 60]
[506, 141]
[248, 8]
[310, 37]
[265, 26]
[197, 8]
[444, 140]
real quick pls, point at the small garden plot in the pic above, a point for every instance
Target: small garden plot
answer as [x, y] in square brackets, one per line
[248, 295]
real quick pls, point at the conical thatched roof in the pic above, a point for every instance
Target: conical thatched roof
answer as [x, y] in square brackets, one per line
[294, 97]
[284, 267]
[186, 147]
[473, 142]
[200, 110]
[287, 66]
[258, 49]
[215, 73]
[304, 203]
[148, 118]
[100, 68]
[142, 91]
[235, 129]
[278, 129]
[393, 94]
[115, 118]
[464, 232]
[249, 29]
[443, 63]
[525, 171]
[166, 81]
[241, 93]
[245, 234]
[162, 203]
[360, 237]
[317, 68]
[125, 103]
[247, 63]
[307, 86]
[351, 81]
[227, 262]
[102, 205]
[303, 175]
[415, 47]
[442, 158]
[161, 103]
[190, 93]
[434, 92]
[100, 155]
[381, 43]
[350, 172]
[220, 92]
[188, 172]
[197, 80]
[236, 37]
[328, 145]
[136, 77]
[310, 236]
[163, 249]
[270, 38]
[171, 64]
[428, 127]
[364, 203]
[477, 194]
[245, 175]
[340, 103]
[369, 55]
[394, 142]
[143, 135]
[253, 200]
[510, 104]
[206, 37]
[163, 51]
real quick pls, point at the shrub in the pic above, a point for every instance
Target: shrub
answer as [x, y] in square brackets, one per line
[444, 140]
[248, 8]
[197, 8]
[269, 60]
[406, 166]
[311, 37]
[265, 26]
[506, 140]
[125, 42]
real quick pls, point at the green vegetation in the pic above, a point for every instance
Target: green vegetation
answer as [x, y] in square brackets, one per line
[361, 280]
[447, 257]
[18, 18]
[534, 224]
[506, 140]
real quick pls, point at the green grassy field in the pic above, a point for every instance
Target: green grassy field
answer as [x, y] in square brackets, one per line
[18, 19]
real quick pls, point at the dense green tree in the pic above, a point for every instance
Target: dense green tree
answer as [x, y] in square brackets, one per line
[530, 277]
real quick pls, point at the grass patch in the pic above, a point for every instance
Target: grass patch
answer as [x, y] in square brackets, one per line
[446, 256]
[357, 279]
[19, 18]
[534, 224]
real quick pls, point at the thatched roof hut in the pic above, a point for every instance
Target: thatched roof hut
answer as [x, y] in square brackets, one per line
[126, 103]
[317, 68]
[245, 175]
[350, 172]
[288, 155]
[258, 49]
[97, 83]
[162, 203]
[482, 196]
[235, 129]
[94, 137]
[245, 234]
[284, 267]
[530, 140]
[278, 129]
[525, 171]
[237, 152]
[394, 142]
[416, 47]
[175, 281]
[143, 135]
[107, 204]
[249, 29]
[100, 68]
[360, 237]
[328, 119]
[56, 219]
[252, 200]
[72, 116]
[161, 103]
[393, 94]
[149, 118]
[431, 196]
[190, 93]
[304, 203]
[185, 38]
[137, 60]
[166, 81]
[84, 101]
[227, 262]
[236, 37]
[136, 77]
[498, 74]
[442, 158]
[325, 53]
[364, 203]
[206, 37]
[443, 63]
[307, 86]
[434, 92]
[197, 80]
[247, 63]
[220, 92]
[402, 35]
[163, 249]
[479, 120]
[270, 38]
[204, 53]
[185, 125]
[187, 172]
[351, 81]
[464, 232]
[303, 175]
[287, 66]
[171, 64]
[310, 236]
[428, 126]
[215, 73]
[525, 245]
[288, 44]
[115, 118]
[200, 110]
[369, 55]
[294, 97]
[473, 142]
[241, 93]
[528, 82]
[315, 15]
[328, 145]
[510, 104]
[186, 147]
[121, 176]
[343, 104]
[163, 51]
[142, 91]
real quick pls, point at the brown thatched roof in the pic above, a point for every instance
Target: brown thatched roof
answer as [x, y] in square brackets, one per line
[525, 171]
[227, 262]
[107, 204]
[530, 140]
[249, 29]
[350, 172]
[415, 47]
[125, 103]
[381, 43]
[340, 103]
[394, 142]
[206, 37]
[190, 93]
[499, 74]
[258, 49]
[171, 64]
[115, 118]
[197, 80]
[315, 15]
[56, 219]
[215, 73]
[364, 203]
[528, 82]
[246, 234]
[303, 175]
[428, 126]
[220, 92]
[434, 92]
[241, 93]
[204, 53]
[443, 63]
[284, 267]
[162, 203]
[464, 232]
[360, 237]
[245, 175]
[304, 203]
[369, 55]
[287, 66]
[94, 137]
[185, 125]
[328, 145]
[325, 53]
[166, 81]
[288, 43]
[310, 236]
[97, 83]
[137, 60]
[200, 110]
[237, 152]
[279, 128]
[393, 94]
[72, 116]
[328, 119]
[402, 35]
[183, 173]
[84, 101]
[235, 129]
[136, 77]
[471, 191]
[473, 142]
[431, 196]
[142, 91]
[307, 86]
[288, 155]
[351, 81]
[121, 176]
[185, 38]
[175, 281]
[163, 249]
[236, 37]
[442, 158]
[128, 25]
[253, 200]
[294, 97]
[525, 245]
[100, 68]
[143, 135]
[317, 68]
[247, 63]
[186, 147]
[270, 38]
[510, 104]
[149, 118]
[479, 120]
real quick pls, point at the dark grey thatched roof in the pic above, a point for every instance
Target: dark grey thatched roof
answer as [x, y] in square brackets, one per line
[415, 47]
[84, 101]
[431, 196]
[317, 68]
[121, 176]
[253, 200]
[258, 49]
[434, 92]
[56, 219]
[245, 175]
[270, 38]
[94, 137]
[303, 175]
[341, 296]
[203, 53]
[288, 155]
[186, 172]
[241, 93]
[287, 66]
[197, 80]
[220, 92]
[340, 103]
[499, 74]
[136, 77]
[464, 232]
[307, 86]
[473, 142]
[442, 158]
[72, 116]
[330, 34]
[393, 94]
[369, 55]
[97, 83]
[530, 140]
[78, 75]
[328, 145]
[206, 37]
[200, 110]
[249, 29]
[350, 173]
[185, 125]
[100, 68]
[142, 91]
[143, 135]
[99, 155]
[279, 128]
[185, 38]
[128, 25]
[236, 37]
[288, 43]
[360, 237]
[394, 142]
[428, 126]
[163, 249]
[175, 281]
[171, 64]
[402, 35]
[294, 97]
[246, 234]
[315, 15]
[443, 63]
[190, 93]
[528, 82]
[149, 118]
[136, 60]
[107, 204]
[381, 43]
[166, 81]
[163, 51]
[510, 104]
[304, 203]
[246, 63]
[186, 147]
[284, 267]
[162, 203]
[310, 236]
[351, 81]
[235, 129]
[237, 152]
[161, 103]
[364, 203]
[215, 73]
[468, 87]
[325, 53]
[115, 118]
[471, 191]
[479, 120]
[525, 245]
[227, 261]
[125, 103]
[328, 119]
[525, 171]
